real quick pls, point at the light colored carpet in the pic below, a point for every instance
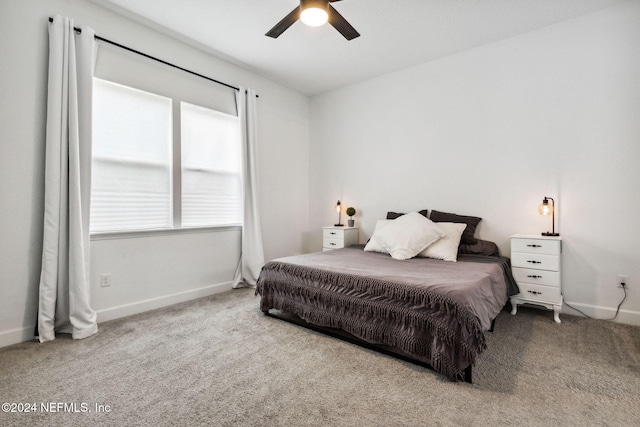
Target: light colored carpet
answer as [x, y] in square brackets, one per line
[219, 361]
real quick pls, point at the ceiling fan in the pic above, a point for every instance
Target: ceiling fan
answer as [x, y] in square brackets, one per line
[315, 13]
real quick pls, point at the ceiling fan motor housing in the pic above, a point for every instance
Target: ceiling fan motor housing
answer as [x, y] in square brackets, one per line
[318, 4]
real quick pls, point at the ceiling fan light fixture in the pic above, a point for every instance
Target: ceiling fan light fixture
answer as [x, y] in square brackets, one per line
[314, 12]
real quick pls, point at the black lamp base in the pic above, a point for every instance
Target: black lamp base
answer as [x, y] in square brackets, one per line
[550, 234]
[338, 225]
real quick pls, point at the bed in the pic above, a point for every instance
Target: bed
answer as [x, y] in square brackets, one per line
[432, 311]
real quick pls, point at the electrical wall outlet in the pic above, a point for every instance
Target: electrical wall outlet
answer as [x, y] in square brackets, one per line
[623, 278]
[105, 280]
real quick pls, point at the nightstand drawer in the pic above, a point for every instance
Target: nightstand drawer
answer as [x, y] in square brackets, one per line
[536, 246]
[538, 277]
[332, 233]
[332, 243]
[535, 261]
[539, 293]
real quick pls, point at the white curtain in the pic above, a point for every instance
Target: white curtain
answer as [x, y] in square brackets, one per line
[252, 256]
[64, 280]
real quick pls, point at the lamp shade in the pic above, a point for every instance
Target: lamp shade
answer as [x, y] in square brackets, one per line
[545, 208]
[314, 12]
[339, 211]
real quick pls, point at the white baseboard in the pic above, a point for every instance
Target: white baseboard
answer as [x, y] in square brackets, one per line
[16, 336]
[158, 302]
[628, 317]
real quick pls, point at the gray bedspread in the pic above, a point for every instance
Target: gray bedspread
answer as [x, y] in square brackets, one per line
[434, 311]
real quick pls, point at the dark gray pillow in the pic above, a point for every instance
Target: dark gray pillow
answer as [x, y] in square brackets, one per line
[394, 215]
[481, 247]
[471, 221]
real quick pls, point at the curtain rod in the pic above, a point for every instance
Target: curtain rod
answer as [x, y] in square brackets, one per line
[102, 39]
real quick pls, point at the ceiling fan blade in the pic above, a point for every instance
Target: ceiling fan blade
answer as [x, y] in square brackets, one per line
[341, 24]
[286, 22]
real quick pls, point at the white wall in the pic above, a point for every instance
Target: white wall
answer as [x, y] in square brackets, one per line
[491, 131]
[146, 271]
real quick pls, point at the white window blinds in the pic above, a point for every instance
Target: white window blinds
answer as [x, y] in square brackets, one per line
[132, 161]
[133, 173]
[211, 167]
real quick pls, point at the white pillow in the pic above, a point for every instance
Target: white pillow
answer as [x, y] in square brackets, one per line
[447, 247]
[408, 235]
[373, 245]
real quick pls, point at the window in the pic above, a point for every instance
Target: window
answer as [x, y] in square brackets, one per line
[133, 174]
[131, 170]
[211, 167]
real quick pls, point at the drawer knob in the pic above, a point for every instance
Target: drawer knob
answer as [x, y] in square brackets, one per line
[534, 292]
[535, 262]
[332, 232]
[332, 244]
[534, 246]
[533, 276]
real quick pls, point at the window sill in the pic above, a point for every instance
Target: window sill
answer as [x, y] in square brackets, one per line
[135, 234]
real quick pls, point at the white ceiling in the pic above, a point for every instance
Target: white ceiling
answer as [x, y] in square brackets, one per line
[395, 34]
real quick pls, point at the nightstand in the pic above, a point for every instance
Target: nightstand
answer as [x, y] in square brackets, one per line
[536, 262]
[338, 237]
